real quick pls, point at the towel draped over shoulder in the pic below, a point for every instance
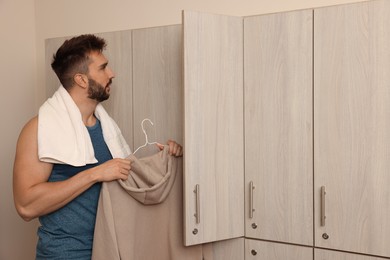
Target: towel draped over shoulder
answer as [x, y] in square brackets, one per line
[63, 137]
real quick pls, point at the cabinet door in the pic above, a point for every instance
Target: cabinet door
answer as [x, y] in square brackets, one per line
[352, 123]
[321, 254]
[262, 250]
[213, 134]
[278, 127]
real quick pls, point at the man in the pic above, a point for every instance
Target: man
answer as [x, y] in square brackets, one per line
[51, 180]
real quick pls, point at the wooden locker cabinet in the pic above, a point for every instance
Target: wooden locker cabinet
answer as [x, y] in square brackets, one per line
[263, 250]
[213, 127]
[278, 51]
[278, 127]
[335, 102]
[230, 249]
[350, 99]
[322, 254]
[351, 126]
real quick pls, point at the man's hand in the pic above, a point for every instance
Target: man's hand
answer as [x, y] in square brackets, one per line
[113, 169]
[175, 149]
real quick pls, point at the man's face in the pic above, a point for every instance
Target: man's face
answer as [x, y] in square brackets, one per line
[99, 77]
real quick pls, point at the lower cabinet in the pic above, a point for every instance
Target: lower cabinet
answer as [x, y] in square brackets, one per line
[262, 250]
[251, 249]
[321, 254]
[231, 249]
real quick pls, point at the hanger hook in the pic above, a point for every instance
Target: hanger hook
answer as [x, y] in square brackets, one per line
[146, 135]
[143, 128]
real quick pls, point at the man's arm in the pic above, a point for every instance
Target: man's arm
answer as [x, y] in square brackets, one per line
[34, 196]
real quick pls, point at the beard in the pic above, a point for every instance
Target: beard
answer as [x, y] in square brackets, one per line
[97, 92]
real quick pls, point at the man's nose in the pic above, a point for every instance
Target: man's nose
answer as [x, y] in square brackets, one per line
[111, 73]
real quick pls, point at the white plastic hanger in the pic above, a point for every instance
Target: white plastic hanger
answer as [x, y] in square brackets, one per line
[146, 135]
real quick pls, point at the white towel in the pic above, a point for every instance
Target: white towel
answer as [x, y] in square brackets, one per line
[63, 137]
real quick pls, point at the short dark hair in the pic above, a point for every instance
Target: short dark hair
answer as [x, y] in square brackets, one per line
[73, 57]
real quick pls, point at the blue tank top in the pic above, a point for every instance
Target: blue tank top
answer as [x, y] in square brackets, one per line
[68, 232]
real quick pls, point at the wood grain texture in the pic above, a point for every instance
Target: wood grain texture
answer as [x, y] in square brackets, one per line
[352, 122]
[231, 249]
[213, 101]
[276, 251]
[119, 105]
[278, 126]
[158, 84]
[321, 254]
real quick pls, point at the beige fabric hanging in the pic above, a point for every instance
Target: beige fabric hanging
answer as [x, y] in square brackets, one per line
[142, 218]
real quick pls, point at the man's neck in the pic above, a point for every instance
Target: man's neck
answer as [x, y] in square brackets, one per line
[86, 106]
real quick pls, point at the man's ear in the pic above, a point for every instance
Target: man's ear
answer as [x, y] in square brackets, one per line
[81, 80]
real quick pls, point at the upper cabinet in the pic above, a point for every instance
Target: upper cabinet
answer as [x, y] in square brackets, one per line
[213, 127]
[316, 127]
[352, 127]
[278, 127]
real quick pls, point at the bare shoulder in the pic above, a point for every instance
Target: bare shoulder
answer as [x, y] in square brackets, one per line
[26, 157]
[29, 132]
[31, 126]
[27, 145]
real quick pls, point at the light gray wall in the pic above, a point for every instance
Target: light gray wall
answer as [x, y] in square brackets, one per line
[17, 91]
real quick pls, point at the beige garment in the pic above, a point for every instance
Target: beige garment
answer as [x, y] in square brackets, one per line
[142, 218]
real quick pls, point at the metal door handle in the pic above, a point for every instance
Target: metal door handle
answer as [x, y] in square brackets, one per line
[323, 216]
[251, 209]
[197, 204]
